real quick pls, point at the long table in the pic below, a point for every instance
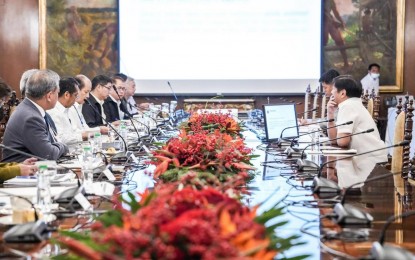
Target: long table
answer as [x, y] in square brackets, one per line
[273, 185]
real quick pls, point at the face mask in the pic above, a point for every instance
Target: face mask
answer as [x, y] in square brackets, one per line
[374, 75]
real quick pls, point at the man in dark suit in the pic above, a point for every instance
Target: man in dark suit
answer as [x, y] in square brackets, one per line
[93, 110]
[114, 108]
[28, 129]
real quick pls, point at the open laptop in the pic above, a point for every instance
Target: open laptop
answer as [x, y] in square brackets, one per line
[280, 117]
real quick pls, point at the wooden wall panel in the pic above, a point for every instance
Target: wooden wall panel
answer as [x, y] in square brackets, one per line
[409, 62]
[19, 39]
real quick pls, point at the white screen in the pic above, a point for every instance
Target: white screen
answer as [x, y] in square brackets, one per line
[221, 46]
[278, 117]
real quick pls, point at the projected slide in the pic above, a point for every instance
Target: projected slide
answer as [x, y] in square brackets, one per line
[221, 46]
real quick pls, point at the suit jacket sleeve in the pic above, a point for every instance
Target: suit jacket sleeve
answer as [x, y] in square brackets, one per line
[89, 116]
[37, 141]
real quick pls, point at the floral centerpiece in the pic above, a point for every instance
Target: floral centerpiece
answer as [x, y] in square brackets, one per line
[206, 122]
[195, 210]
[181, 224]
[216, 152]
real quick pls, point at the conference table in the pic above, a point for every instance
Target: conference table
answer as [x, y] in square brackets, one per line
[324, 239]
[307, 213]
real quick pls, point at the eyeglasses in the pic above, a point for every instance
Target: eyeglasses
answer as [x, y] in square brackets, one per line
[107, 87]
[120, 88]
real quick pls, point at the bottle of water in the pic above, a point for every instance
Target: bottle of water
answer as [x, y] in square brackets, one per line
[98, 141]
[123, 133]
[44, 201]
[87, 168]
[111, 134]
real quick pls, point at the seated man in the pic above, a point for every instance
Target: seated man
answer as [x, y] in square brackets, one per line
[28, 129]
[68, 133]
[345, 98]
[75, 111]
[93, 110]
[326, 81]
[129, 96]
[131, 105]
[114, 109]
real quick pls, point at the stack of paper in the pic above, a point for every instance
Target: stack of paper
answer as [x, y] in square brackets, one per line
[31, 181]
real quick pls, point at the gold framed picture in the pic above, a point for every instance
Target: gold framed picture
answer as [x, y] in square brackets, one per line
[79, 37]
[357, 33]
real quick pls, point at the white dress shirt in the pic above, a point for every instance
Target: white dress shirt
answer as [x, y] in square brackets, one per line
[78, 120]
[352, 109]
[76, 116]
[369, 83]
[67, 132]
[120, 112]
[132, 106]
[101, 103]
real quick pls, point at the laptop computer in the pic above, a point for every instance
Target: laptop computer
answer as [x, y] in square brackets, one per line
[280, 121]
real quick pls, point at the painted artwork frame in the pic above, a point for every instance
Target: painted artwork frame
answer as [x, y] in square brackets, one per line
[370, 32]
[82, 35]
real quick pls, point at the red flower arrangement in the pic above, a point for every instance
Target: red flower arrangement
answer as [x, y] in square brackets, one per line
[180, 224]
[215, 152]
[206, 122]
[194, 212]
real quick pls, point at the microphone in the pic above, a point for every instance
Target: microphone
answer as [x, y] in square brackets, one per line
[109, 124]
[380, 251]
[351, 215]
[324, 121]
[39, 158]
[290, 151]
[323, 185]
[126, 110]
[31, 232]
[25, 199]
[299, 114]
[310, 165]
[316, 131]
[337, 138]
[172, 91]
[65, 196]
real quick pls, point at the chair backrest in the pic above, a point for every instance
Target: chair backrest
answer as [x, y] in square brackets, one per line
[397, 156]
[370, 106]
[399, 106]
[408, 137]
[307, 102]
[376, 105]
[324, 100]
[365, 98]
[316, 104]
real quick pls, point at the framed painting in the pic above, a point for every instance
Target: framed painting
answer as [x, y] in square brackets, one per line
[79, 37]
[357, 33]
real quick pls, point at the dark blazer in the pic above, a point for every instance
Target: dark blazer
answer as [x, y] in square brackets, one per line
[27, 131]
[111, 110]
[92, 115]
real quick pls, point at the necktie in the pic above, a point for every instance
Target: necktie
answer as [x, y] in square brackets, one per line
[51, 123]
[49, 128]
